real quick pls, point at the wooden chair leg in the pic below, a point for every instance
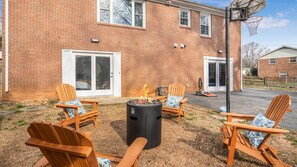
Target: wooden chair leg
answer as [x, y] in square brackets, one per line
[231, 151]
[76, 122]
[96, 122]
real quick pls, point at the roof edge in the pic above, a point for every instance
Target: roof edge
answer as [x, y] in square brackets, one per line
[284, 46]
[193, 6]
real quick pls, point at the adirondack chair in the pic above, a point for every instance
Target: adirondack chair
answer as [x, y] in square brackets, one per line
[175, 89]
[65, 146]
[67, 93]
[233, 139]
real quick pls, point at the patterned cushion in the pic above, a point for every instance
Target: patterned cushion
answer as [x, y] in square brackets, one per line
[74, 102]
[254, 137]
[173, 101]
[103, 162]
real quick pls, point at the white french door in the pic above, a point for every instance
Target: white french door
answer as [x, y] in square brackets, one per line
[93, 74]
[215, 74]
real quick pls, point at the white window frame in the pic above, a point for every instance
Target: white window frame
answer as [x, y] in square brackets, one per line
[189, 17]
[209, 24]
[290, 59]
[283, 74]
[133, 13]
[271, 62]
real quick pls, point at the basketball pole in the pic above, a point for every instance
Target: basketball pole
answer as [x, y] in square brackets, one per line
[227, 60]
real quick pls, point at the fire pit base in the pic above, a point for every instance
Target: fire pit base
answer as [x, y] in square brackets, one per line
[144, 120]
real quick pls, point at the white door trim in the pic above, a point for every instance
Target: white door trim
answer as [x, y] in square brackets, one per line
[207, 59]
[68, 69]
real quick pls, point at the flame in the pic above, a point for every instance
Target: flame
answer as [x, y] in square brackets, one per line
[145, 90]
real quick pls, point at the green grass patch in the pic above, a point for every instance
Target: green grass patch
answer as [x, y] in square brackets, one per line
[19, 106]
[18, 111]
[292, 137]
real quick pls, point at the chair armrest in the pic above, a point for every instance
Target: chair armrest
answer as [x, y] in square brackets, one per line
[240, 116]
[160, 97]
[88, 134]
[67, 106]
[89, 101]
[256, 128]
[133, 152]
[82, 151]
[184, 100]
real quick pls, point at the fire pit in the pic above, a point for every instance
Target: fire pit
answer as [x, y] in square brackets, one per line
[144, 119]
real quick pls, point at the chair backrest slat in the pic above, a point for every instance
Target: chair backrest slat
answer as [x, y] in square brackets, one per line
[278, 107]
[176, 89]
[57, 134]
[66, 92]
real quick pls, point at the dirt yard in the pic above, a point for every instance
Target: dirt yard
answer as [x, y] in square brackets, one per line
[195, 142]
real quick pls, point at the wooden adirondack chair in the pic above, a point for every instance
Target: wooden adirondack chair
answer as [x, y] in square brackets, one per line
[175, 89]
[233, 139]
[67, 93]
[64, 146]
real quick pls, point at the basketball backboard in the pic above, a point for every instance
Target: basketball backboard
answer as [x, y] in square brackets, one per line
[241, 10]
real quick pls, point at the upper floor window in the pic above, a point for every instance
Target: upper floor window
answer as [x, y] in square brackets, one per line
[124, 12]
[292, 59]
[184, 18]
[205, 25]
[271, 61]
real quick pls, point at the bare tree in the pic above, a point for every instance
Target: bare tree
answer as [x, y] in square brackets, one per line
[251, 52]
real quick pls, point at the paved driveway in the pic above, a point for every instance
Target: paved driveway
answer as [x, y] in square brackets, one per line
[249, 101]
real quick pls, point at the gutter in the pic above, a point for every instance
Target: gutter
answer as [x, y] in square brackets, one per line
[6, 46]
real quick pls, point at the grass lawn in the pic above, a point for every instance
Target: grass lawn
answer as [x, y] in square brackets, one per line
[195, 142]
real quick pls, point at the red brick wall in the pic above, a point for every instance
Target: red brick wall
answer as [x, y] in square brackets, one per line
[272, 70]
[40, 29]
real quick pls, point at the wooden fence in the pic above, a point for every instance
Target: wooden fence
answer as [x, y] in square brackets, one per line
[286, 82]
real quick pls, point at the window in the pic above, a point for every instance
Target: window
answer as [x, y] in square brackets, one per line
[271, 61]
[292, 59]
[283, 75]
[184, 17]
[124, 12]
[205, 25]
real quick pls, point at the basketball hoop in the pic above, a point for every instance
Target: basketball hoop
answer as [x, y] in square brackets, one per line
[252, 24]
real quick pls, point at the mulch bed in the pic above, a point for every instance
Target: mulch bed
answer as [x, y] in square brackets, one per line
[195, 142]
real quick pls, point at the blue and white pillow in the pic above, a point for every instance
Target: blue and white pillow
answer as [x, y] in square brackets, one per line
[173, 101]
[74, 102]
[103, 162]
[254, 137]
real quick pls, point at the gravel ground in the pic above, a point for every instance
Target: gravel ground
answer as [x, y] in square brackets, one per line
[195, 142]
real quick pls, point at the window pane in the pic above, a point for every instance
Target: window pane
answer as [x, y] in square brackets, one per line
[122, 12]
[104, 15]
[83, 73]
[138, 20]
[222, 69]
[138, 8]
[204, 30]
[184, 14]
[105, 4]
[204, 20]
[184, 21]
[102, 73]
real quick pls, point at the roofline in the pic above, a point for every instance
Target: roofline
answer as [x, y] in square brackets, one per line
[193, 6]
[284, 46]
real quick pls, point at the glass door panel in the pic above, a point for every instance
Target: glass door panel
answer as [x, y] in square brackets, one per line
[103, 78]
[212, 74]
[222, 74]
[83, 72]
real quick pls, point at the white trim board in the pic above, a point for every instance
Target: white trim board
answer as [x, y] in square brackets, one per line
[68, 69]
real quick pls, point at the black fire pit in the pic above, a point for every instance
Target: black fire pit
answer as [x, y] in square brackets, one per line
[144, 119]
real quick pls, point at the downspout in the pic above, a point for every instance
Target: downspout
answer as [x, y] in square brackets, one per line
[6, 46]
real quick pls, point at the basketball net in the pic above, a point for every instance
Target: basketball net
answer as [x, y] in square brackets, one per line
[252, 24]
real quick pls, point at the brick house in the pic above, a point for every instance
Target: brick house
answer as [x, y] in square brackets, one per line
[280, 62]
[107, 49]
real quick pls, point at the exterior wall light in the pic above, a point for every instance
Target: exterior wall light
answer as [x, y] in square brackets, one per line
[220, 51]
[175, 45]
[95, 40]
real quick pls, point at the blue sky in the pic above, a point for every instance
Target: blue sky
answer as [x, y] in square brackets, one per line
[278, 27]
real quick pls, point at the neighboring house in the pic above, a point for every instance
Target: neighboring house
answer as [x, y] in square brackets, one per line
[280, 62]
[107, 49]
